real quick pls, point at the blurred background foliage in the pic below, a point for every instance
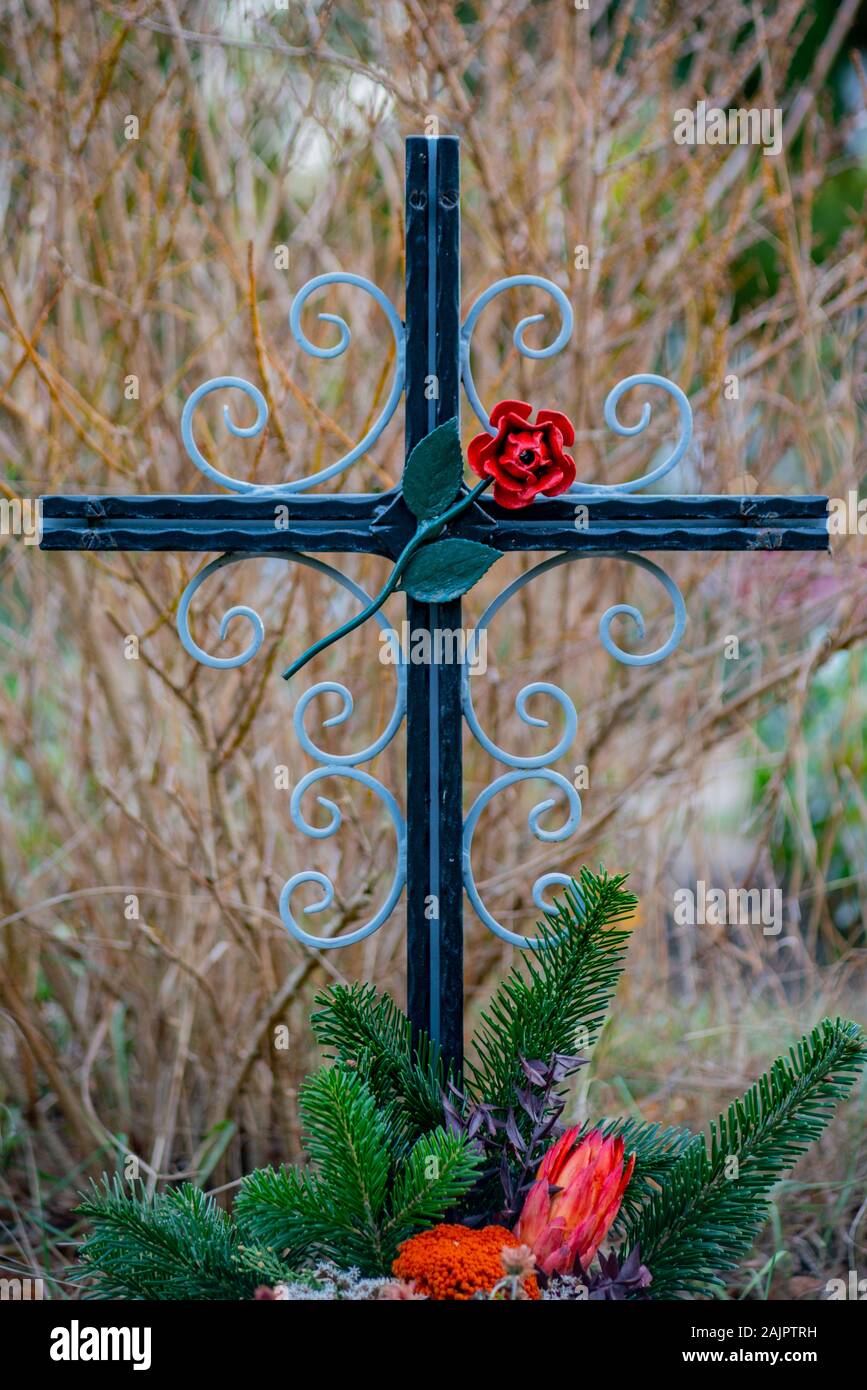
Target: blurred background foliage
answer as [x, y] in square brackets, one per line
[146, 982]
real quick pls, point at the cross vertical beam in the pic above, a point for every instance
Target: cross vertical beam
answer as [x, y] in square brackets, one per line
[434, 906]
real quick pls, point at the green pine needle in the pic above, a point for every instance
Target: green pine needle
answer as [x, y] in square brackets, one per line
[714, 1200]
[367, 1192]
[557, 998]
[657, 1149]
[290, 1214]
[357, 1025]
[176, 1245]
[438, 1172]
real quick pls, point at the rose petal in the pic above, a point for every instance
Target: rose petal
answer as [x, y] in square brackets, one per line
[549, 480]
[522, 473]
[562, 422]
[478, 449]
[522, 438]
[567, 469]
[516, 480]
[506, 498]
[519, 408]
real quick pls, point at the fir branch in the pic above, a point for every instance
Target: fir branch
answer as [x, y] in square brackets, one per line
[175, 1245]
[335, 1212]
[557, 999]
[714, 1201]
[367, 1193]
[263, 1265]
[348, 1141]
[440, 1169]
[357, 1025]
[657, 1149]
[289, 1213]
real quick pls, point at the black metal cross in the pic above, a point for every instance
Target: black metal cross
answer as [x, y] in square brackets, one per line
[380, 523]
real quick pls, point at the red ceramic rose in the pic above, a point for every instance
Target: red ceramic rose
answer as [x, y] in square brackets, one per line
[524, 459]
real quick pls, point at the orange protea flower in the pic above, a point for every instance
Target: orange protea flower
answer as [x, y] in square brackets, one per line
[456, 1262]
[575, 1198]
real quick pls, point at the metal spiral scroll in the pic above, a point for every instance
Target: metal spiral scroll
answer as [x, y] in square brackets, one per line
[538, 765]
[333, 764]
[255, 395]
[612, 400]
[567, 322]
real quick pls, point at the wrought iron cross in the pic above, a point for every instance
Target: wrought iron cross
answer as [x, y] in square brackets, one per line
[434, 858]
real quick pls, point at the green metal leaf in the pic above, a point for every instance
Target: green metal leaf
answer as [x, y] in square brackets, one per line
[434, 472]
[446, 569]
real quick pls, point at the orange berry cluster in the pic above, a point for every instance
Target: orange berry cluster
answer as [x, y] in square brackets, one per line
[457, 1262]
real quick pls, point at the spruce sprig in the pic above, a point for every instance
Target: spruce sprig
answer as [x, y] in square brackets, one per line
[358, 1026]
[556, 999]
[657, 1149]
[366, 1191]
[705, 1218]
[175, 1245]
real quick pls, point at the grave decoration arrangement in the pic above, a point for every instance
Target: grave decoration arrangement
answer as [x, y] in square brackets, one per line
[423, 1185]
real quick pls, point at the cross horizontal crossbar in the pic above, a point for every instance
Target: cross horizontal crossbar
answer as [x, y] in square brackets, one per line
[378, 523]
